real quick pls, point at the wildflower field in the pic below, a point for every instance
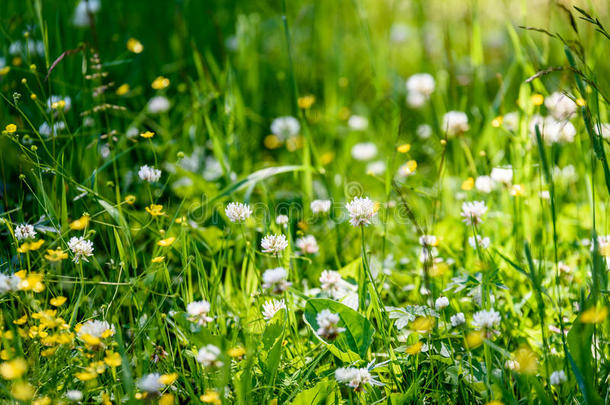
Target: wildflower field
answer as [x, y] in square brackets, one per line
[304, 202]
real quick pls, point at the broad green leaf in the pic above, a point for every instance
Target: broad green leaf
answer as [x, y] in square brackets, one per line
[359, 331]
[318, 394]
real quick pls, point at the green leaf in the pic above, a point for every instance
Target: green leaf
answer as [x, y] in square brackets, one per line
[358, 334]
[581, 360]
[318, 394]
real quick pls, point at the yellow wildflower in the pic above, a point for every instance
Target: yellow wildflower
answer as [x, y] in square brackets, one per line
[305, 102]
[166, 242]
[210, 397]
[404, 148]
[496, 122]
[155, 210]
[468, 184]
[113, 359]
[166, 399]
[475, 339]
[594, 315]
[537, 99]
[11, 370]
[30, 246]
[10, 128]
[147, 134]
[160, 83]
[122, 89]
[414, 348]
[22, 391]
[130, 199]
[423, 324]
[58, 301]
[80, 223]
[237, 351]
[168, 379]
[55, 255]
[135, 46]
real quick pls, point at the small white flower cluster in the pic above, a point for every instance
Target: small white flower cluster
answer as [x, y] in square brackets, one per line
[209, 355]
[361, 211]
[54, 101]
[285, 127]
[455, 123]
[308, 245]
[25, 231]
[238, 212]
[9, 283]
[274, 244]
[498, 175]
[552, 130]
[333, 284]
[83, 10]
[457, 319]
[95, 328]
[46, 129]
[560, 106]
[558, 377]
[328, 324]
[74, 395]
[486, 319]
[441, 303]
[481, 242]
[81, 248]
[364, 151]
[320, 206]
[282, 220]
[276, 280]
[420, 87]
[272, 307]
[472, 212]
[149, 174]
[198, 312]
[158, 105]
[355, 377]
[151, 383]
[358, 122]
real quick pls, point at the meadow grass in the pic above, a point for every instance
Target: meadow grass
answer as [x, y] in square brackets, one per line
[304, 202]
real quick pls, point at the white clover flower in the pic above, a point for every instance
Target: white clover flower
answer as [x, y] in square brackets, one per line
[274, 244]
[320, 206]
[81, 248]
[420, 87]
[558, 377]
[510, 121]
[424, 131]
[484, 184]
[208, 356]
[455, 123]
[149, 174]
[46, 130]
[96, 329]
[198, 312]
[361, 211]
[376, 168]
[271, 307]
[25, 231]
[552, 130]
[58, 102]
[83, 10]
[327, 324]
[457, 319]
[151, 383]
[502, 175]
[74, 395]
[282, 220]
[472, 212]
[238, 212]
[358, 122]
[331, 281]
[480, 241]
[364, 151]
[285, 127]
[9, 283]
[308, 245]
[34, 47]
[354, 377]
[276, 280]
[486, 319]
[441, 303]
[560, 106]
[158, 105]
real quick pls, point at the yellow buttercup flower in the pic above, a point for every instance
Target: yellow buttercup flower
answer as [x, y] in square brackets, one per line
[166, 242]
[155, 210]
[112, 359]
[5, 70]
[130, 199]
[166, 399]
[158, 259]
[30, 246]
[160, 83]
[468, 184]
[272, 142]
[80, 223]
[11, 370]
[496, 122]
[55, 255]
[237, 351]
[21, 320]
[305, 102]
[10, 128]
[423, 324]
[404, 148]
[168, 379]
[147, 134]
[327, 157]
[32, 282]
[135, 46]
[58, 301]
[414, 348]
[22, 391]
[475, 339]
[210, 397]
[537, 99]
[594, 315]
[517, 190]
[122, 89]
[526, 360]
